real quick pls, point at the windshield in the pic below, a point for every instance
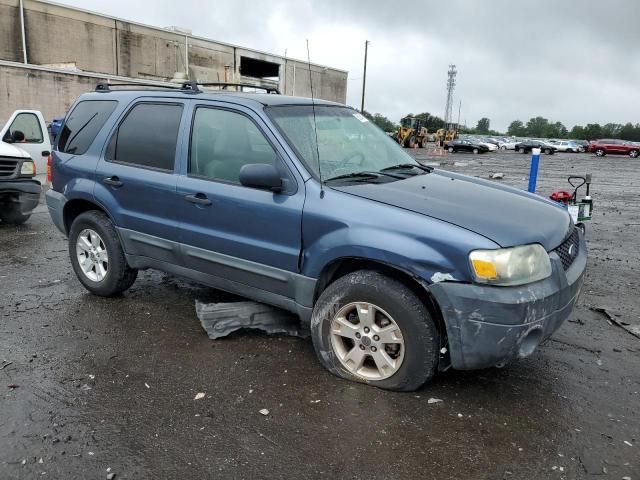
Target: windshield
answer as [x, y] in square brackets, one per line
[347, 142]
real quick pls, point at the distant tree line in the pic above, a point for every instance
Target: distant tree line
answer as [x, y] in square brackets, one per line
[538, 127]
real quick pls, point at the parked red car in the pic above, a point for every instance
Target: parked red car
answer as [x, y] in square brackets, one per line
[614, 147]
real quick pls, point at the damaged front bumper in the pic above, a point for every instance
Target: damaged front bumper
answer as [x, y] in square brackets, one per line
[489, 326]
[25, 193]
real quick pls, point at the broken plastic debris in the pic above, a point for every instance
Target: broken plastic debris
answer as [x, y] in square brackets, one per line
[628, 443]
[264, 412]
[147, 385]
[498, 176]
[443, 350]
[199, 396]
[441, 277]
[221, 319]
[460, 415]
[434, 400]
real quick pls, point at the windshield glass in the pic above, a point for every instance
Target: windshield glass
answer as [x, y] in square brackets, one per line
[347, 142]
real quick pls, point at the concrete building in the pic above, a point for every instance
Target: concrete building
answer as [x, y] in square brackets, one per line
[68, 50]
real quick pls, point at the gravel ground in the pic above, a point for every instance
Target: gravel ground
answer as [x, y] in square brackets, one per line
[110, 383]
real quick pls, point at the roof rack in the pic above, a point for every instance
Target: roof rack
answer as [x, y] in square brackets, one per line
[224, 85]
[186, 87]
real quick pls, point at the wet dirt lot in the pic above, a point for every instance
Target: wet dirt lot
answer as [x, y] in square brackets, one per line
[110, 383]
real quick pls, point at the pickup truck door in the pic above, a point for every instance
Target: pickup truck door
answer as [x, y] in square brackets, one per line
[36, 138]
[243, 235]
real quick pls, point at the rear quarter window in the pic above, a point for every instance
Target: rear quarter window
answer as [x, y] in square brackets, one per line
[83, 125]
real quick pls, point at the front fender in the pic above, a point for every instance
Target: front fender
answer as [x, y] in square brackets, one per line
[405, 253]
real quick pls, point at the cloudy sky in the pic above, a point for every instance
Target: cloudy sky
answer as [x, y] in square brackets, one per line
[574, 61]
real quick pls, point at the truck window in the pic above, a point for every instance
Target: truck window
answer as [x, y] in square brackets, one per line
[83, 124]
[147, 137]
[29, 125]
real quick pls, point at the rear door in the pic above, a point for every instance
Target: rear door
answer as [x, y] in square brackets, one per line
[136, 178]
[245, 235]
[29, 127]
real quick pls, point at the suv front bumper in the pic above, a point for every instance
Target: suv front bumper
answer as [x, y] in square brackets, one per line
[489, 326]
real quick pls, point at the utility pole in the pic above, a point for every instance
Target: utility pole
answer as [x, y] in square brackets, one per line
[459, 108]
[364, 76]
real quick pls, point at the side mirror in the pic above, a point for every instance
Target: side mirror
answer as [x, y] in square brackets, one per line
[262, 176]
[17, 136]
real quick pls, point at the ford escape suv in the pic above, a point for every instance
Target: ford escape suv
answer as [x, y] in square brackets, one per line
[399, 270]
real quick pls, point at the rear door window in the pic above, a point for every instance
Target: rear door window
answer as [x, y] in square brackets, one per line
[83, 124]
[148, 136]
[25, 128]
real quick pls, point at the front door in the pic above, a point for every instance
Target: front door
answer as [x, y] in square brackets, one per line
[244, 235]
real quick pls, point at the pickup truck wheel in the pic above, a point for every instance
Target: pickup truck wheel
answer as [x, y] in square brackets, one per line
[97, 256]
[13, 216]
[370, 328]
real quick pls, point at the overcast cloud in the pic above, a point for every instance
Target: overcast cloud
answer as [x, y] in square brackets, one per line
[570, 61]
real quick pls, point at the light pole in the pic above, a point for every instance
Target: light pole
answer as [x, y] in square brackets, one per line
[364, 76]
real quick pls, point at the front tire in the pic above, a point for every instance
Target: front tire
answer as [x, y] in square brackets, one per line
[97, 256]
[634, 153]
[475, 151]
[370, 328]
[13, 216]
[600, 152]
[451, 149]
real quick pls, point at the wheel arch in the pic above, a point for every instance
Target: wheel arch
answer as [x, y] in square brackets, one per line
[78, 206]
[340, 267]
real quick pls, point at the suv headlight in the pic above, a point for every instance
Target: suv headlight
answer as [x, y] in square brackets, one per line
[510, 266]
[28, 168]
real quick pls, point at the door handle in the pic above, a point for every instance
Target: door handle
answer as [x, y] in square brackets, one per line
[198, 199]
[113, 181]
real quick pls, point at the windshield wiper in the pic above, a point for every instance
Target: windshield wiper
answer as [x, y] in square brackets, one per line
[406, 166]
[363, 175]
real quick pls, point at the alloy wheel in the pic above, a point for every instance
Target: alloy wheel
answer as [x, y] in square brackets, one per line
[367, 341]
[92, 255]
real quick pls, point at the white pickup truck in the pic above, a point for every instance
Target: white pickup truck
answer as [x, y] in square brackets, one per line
[27, 129]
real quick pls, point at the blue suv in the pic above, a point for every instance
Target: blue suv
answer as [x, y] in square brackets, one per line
[398, 269]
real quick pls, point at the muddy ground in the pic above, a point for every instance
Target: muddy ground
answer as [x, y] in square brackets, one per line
[108, 385]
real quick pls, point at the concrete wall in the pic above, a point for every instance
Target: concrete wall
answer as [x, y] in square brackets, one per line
[33, 88]
[92, 42]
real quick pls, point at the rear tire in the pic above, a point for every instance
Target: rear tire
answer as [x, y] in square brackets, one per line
[475, 151]
[634, 153]
[451, 149]
[119, 276]
[548, 151]
[13, 216]
[600, 152]
[414, 362]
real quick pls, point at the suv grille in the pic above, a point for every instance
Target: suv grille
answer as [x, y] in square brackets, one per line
[8, 166]
[569, 249]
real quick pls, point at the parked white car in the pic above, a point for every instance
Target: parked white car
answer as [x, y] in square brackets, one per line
[567, 146]
[509, 145]
[27, 129]
[491, 146]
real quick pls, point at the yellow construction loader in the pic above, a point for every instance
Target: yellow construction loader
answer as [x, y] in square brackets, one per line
[443, 136]
[411, 133]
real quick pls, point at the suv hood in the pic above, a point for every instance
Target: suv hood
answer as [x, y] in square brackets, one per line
[8, 150]
[505, 215]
